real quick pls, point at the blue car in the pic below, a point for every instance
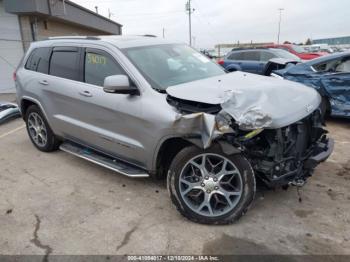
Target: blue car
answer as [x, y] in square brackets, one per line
[330, 75]
[257, 61]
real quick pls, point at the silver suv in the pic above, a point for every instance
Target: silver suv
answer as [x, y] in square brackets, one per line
[143, 107]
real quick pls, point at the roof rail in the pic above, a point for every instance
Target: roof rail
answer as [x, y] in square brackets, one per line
[74, 37]
[249, 48]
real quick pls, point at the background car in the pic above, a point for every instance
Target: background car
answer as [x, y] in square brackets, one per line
[299, 51]
[212, 54]
[330, 75]
[254, 60]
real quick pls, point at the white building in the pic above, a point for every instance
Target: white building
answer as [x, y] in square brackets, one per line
[11, 49]
[24, 21]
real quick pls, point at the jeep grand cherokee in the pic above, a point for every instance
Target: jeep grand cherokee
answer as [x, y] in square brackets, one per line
[143, 107]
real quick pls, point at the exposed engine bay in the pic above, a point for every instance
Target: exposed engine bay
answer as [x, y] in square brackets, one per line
[284, 156]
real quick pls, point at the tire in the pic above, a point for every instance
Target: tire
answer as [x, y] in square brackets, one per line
[182, 165]
[34, 117]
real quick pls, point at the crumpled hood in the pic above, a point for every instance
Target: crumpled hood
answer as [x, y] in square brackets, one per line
[253, 101]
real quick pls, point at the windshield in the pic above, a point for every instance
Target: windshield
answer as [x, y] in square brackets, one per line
[285, 54]
[298, 49]
[168, 65]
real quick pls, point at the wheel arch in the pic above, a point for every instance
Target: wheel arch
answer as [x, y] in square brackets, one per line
[169, 147]
[233, 68]
[165, 153]
[26, 102]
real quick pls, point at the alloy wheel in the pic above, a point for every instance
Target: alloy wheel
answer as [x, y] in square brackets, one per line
[37, 129]
[210, 185]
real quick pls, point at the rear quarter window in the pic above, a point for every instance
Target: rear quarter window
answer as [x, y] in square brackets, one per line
[236, 56]
[39, 60]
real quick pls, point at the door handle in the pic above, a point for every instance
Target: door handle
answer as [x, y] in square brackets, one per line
[43, 82]
[85, 93]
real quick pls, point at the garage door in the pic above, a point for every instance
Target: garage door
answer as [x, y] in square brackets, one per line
[11, 49]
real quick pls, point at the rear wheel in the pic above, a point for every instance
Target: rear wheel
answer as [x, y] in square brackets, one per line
[210, 187]
[39, 130]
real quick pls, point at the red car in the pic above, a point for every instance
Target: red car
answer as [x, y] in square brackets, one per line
[297, 50]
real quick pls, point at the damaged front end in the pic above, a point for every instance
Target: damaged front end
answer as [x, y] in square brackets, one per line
[287, 155]
[283, 149]
[279, 157]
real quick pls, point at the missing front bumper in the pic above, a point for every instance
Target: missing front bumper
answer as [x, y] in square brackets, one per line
[321, 152]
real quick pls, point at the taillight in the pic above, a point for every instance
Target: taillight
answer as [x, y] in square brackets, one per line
[221, 62]
[14, 76]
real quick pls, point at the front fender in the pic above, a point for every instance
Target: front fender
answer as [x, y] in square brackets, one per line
[226, 147]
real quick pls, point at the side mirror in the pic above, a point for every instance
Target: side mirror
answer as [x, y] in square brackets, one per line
[119, 84]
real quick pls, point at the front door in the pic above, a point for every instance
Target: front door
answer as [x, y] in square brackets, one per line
[111, 122]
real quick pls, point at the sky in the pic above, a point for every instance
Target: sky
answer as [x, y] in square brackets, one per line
[229, 21]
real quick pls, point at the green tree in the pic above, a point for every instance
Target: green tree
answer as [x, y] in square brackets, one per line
[308, 42]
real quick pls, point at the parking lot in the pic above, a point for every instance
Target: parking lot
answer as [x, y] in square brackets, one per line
[59, 204]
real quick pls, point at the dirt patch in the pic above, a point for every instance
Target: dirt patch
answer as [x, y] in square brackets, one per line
[345, 171]
[227, 245]
[309, 244]
[332, 194]
[303, 213]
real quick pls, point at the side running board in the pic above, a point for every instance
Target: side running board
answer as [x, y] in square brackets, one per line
[103, 160]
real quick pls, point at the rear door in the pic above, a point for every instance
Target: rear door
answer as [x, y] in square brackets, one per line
[50, 76]
[265, 57]
[60, 91]
[251, 61]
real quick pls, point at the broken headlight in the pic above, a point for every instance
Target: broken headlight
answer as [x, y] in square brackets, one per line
[223, 122]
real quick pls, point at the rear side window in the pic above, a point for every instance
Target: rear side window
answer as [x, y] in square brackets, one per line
[266, 56]
[236, 56]
[39, 60]
[251, 56]
[99, 65]
[65, 63]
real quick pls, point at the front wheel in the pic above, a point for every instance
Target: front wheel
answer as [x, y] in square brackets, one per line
[210, 187]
